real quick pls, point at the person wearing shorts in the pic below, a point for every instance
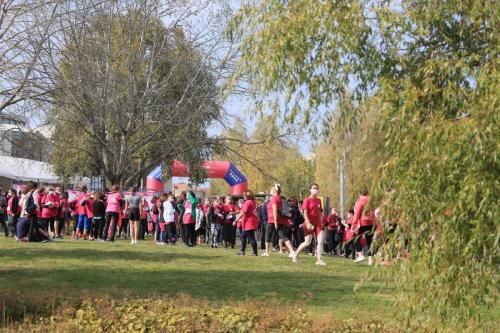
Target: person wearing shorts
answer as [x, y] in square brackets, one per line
[133, 209]
[313, 215]
[275, 222]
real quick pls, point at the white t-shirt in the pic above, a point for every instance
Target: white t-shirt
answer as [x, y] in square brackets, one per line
[168, 212]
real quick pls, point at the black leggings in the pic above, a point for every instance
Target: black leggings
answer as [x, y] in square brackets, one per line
[33, 229]
[368, 232]
[97, 227]
[110, 216]
[124, 229]
[46, 222]
[349, 250]
[190, 234]
[143, 227]
[248, 234]
[229, 232]
[171, 232]
[4, 224]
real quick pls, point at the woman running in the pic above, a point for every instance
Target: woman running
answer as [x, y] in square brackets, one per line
[313, 215]
[362, 226]
[275, 221]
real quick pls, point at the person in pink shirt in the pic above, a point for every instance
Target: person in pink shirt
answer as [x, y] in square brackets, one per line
[90, 215]
[249, 222]
[189, 218]
[82, 211]
[114, 201]
[58, 223]
[143, 225]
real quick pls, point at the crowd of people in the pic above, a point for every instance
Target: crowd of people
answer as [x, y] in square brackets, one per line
[274, 224]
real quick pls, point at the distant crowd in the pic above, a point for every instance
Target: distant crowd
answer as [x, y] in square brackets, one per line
[275, 224]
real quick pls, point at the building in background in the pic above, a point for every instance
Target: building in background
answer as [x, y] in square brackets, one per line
[23, 152]
[18, 139]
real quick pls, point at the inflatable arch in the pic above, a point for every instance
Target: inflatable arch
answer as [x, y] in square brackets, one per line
[215, 169]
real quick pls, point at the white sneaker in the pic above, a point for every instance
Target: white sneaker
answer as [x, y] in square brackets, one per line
[159, 243]
[291, 255]
[132, 242]
[265, 254]
[370, 261]
[294, 259]
[359, 259]
[321, 263]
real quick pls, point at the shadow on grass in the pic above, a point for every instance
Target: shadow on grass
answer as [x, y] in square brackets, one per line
[213, 285]
[20, 254]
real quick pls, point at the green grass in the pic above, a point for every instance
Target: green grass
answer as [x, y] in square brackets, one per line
[71, 269]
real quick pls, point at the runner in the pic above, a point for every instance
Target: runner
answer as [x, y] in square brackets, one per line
[312, 225]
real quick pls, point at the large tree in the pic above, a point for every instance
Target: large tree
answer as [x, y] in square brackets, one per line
[266, 156]
[434, 65]
[132, 89]
[25, 26]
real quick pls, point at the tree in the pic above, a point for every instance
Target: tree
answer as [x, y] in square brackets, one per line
[361, 150]
[265, 158]
[131, 92]
[25, 26]
[434, 66]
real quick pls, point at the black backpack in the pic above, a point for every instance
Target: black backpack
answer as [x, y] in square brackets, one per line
[286, 210]
[30, 206]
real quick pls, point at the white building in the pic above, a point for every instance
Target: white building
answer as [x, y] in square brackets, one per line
[17, 139]
[22, 150]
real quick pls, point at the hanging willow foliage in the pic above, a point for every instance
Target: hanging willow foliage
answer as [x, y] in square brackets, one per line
[434, 66]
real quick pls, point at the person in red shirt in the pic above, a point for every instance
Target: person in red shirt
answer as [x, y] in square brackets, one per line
[249, 222]
[228, 230]
[313, 215]
[48, 203]
[219, 220]
[65, 214]
[57, 212]
[206, 219]
[275, 221]
[143, 226]
[40, 193]
[362, 225]
[334, 231]
[81, 207]
[347, 240]
[13, 210]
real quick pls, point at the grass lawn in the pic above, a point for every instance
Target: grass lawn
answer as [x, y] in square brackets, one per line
[70, 269]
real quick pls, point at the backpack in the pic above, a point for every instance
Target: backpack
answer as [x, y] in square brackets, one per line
[30, 205]
[286, 210]
[3, 203]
